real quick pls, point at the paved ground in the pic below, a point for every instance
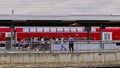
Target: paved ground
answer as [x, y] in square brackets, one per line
[16, 50]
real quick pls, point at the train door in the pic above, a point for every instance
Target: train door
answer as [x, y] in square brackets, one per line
[8, 40]
[107, 36]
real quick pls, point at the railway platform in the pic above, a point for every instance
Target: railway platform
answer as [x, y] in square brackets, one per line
[61, 59]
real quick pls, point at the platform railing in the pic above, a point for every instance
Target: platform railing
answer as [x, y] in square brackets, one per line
[81, 45]
[57, 46]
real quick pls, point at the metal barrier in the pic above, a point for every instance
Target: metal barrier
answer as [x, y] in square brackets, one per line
[57, 46]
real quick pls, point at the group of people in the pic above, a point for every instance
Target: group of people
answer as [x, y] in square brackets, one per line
[34, 43]
[44, 43]
[71, 44]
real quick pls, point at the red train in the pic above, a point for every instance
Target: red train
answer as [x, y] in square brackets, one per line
[109, 33]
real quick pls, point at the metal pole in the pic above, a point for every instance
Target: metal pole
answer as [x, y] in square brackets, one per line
[12, 34]
[101, 37]
[88, 33]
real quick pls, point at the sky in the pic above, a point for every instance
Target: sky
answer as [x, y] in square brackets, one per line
[60, 7]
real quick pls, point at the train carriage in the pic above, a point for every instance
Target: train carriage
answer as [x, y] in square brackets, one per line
[109, 33]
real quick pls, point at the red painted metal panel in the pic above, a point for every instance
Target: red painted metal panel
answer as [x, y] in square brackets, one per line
[19, 29]
[5, 30]
[2, 37]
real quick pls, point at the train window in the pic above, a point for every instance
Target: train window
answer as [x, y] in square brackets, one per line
[91, 38]
[107, 35]
[93, 29]
[66, 29]
[39, 29]
[80, 29]
[7, 34]
[60, 29]
[25, 29]
[83, 38]
[32, 29]
[53, 29]
[77, 38]
[46, 29]
[73, 29]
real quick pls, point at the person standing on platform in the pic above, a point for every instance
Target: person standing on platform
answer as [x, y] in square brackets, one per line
[71, 43]
[62, 44]
[19, 43]
[42, 43]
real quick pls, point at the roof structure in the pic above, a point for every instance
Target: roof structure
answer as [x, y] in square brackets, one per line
[61, 17]
[80, 11]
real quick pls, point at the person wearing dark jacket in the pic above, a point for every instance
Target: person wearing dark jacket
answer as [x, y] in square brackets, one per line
[71, 43]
